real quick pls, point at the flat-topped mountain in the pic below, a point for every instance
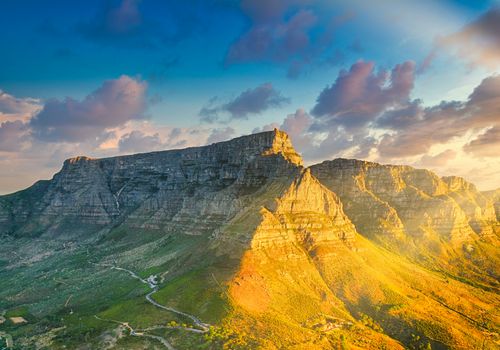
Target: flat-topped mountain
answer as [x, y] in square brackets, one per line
[146, 187]
[240, 236]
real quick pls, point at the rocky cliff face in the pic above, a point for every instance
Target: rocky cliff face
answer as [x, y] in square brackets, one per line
[402, 200]
[307, 214]
[344, 253]
[441, 222]
[146, 190]
[494, 196]
[479, 208]
[306, 263]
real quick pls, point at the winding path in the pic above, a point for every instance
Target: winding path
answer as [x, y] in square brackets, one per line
[135, 333]
[202, 327]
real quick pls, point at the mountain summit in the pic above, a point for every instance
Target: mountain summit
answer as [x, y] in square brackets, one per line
[96, 192]
[236, 245]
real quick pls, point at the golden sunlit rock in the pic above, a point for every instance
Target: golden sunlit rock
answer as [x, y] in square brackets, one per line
[245, 248]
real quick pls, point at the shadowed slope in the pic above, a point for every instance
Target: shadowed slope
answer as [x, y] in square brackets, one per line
[308, 280]
[241, 236]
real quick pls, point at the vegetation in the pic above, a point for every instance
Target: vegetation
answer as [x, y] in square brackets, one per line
[287, 270]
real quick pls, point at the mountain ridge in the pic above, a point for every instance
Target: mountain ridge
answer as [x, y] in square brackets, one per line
[344, 253]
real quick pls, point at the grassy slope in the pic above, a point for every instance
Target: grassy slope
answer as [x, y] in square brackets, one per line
[366, 293]
[369, 292]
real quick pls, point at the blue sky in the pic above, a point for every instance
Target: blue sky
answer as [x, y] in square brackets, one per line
[250, 64]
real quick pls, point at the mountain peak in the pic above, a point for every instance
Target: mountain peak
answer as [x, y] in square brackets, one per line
[274, 142]
[281, 144]
[344, 248]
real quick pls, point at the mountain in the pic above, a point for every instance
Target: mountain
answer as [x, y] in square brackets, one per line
[237, 245]
[442, 223]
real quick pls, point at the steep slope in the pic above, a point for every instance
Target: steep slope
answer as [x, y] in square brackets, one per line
[278, 285]
[155, 211]
[308, 280]
[442, 222]
[346, 254]
[495, 197]
[147, 189]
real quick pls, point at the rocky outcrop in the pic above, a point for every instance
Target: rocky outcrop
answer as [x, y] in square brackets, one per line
[165, 190]
[279, 250]
[494, 196]
[152, 189]
[443, 223]
[307, 214]
[277, 274]
[305, 259]
[400, 200]
[364, 207]
[480, 209]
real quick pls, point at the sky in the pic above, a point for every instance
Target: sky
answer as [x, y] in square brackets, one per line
[400, 82]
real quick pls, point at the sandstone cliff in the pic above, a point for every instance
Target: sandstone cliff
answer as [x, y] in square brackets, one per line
[308, 267]
[192, 189]
[441, 222]
[403, 199]
[495, 197]
[344, 253]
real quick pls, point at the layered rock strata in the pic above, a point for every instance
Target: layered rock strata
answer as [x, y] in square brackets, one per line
[400, 200]
[198, 187]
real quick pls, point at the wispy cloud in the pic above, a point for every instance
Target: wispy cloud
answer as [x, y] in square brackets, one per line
[477, 43]
[486, 144]
[424, 127]
[15, 108]
[13, 136]
[138, 141]
[249, 102]
[124, 23]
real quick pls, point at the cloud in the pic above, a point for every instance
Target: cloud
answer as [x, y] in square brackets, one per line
[359, 95]
[255, 101]
[478, 43]
[284, 31]
[485, 145]
[13, 136]
[297, 126]
[485, 99]
[415, 128]
[210, 112]
[116, 21]
[346, 112]
[369, 114]
[249, 102]
[297, 123]
[14, 108]
[365, 111]
[222, 134]
[113, 104]
[137, 141]
[146, 137]
[108, 122]
[427, 127]
[437, 160]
